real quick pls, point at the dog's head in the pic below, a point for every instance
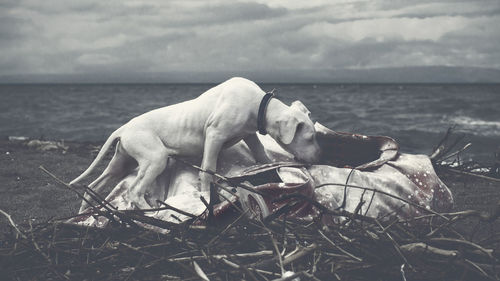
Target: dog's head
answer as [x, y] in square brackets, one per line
[296, 133]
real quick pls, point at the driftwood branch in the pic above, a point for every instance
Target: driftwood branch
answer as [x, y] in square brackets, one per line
[424, 250]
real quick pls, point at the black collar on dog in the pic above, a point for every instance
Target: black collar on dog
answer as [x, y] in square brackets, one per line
[261, 117]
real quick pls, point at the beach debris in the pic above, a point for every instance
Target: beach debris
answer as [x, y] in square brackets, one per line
[443, 159]
[18, 138]
[47, 145]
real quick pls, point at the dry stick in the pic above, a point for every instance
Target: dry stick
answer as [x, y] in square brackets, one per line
[82, 241]
[110, 217]
[270, 234]
[310, 276]
[63, 219]
[288, 278]
[360, 204]
[442, 149]
[139, 250]
[315, 261]
[395, 244]
[488, 252]
[285, 208]
[236, 266]
[134, 268]
[464, 214]
[141, 211]
[284, 237]
[282, 210]
[446, 224]
[408, 232]
[148, 220]
[65, 184]
[93, 195]
[213, 198]
[97, 197]
[230, 202]
[169, 259]
[280, 259]
[219, 257]
[249, 188]
[422, 248]
[176, 218]
[44, 255]
[54, 234]
[175, 209]
[457, 152]
[338, 247]
[188, 268]
[370, 204]
[392, 213]
[455, 216]
[38, 247]
[12, 223]
[472, 174]
[207, 205]
[262, 276]
[226, 189]
[200, 271]
[439, 149]
[303, 252]
[244, 268]
[296, 275]
[384, 229]
[227, 228]
[402, 270]
[478, 268]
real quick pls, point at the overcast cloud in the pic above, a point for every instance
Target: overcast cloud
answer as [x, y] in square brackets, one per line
[71, 37]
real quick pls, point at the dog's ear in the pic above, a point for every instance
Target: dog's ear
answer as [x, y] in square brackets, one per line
[300, 106]
[287, 129]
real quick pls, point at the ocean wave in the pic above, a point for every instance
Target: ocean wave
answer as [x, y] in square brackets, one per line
[476, 125]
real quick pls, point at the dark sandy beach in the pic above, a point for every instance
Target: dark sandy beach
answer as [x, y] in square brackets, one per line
[27, 193]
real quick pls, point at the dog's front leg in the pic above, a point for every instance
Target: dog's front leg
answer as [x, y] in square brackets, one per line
[213, 145]
[257, 149]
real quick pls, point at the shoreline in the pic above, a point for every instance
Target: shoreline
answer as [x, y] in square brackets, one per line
[28, 194]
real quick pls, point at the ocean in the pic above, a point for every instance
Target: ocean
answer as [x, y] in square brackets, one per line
[416, 115]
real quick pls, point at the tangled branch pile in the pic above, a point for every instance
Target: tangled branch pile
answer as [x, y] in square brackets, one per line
[444, 159]
[431, 247]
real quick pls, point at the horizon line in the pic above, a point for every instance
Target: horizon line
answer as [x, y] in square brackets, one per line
[256, 81]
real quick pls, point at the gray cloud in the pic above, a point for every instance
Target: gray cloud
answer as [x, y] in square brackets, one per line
[231, 36]
[13, 29]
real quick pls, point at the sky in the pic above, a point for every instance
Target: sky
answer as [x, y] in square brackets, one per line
[271, 37]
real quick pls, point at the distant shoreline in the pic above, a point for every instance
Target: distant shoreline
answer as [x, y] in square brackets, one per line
[392, 75]
[66, 83]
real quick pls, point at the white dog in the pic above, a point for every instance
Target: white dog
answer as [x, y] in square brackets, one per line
[219, 118]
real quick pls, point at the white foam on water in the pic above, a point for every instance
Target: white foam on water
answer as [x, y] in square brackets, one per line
[476, 125]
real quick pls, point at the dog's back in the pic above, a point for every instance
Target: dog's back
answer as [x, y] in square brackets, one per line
[181, 127]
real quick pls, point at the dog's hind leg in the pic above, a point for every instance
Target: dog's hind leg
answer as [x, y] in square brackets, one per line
[117, 168]
[151, 155]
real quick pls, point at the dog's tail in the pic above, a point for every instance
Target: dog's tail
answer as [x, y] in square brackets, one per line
[105, 147]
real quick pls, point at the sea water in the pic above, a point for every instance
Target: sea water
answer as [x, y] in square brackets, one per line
[416, 115]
